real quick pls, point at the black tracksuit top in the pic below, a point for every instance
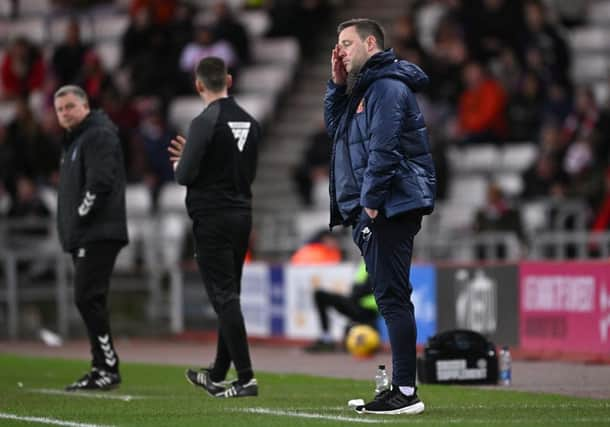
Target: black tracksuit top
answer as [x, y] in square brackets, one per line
[91, 196]
[218, 163]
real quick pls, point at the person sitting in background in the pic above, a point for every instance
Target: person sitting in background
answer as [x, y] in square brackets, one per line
[481, 110]
[22, 70]
[314, 165]
[359, 307]
[206, 44]
[69, 56]
[497, 215]
[323, 248]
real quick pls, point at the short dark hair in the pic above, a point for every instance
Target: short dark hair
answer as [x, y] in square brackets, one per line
[365, 27]
[212, 72]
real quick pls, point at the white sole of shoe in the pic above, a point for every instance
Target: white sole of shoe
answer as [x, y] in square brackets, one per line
[414, 409]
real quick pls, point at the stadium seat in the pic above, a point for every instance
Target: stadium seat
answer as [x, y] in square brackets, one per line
[7, 111]
[110, 54]
[599, 12]
[454, 218]
[511, 183]
[590, 39]
[139, 226]
[34, 29]
[589, 68]
[257, 22]
[468, 189]
[57, 29]
[476, 158]
[260, 106]
[34, 7]
[173, 223]
[283, 50]
[601, 90]
[310, 222]
[534, 216]
[182, 110]
[110, 27]
[270, 79]
[518, 157]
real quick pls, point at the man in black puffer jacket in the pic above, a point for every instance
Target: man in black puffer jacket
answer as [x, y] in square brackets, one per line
[92, 222]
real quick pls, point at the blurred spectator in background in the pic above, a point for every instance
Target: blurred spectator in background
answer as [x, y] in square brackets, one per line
[405, 41]
[22, 71]
[497, 215]
[35, 158]
[299, 18]
[507, 69]
[447, 60]
[585, 177]
[227, 27]
[161, 12]
[323, 248]
[150, 144]
[601, 216]
[581, 122]
[148, 57]
[206, 44]
[359, 307]
[524, 109]
[492, 25]
[69, 55]
[124, 115]
[482, 105]
[314, 165]
[7, 172]
[94, 79]
[543, 179]
[543, 38]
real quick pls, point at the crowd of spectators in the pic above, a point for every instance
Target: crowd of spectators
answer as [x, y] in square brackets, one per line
[500, 73]
[162, 42]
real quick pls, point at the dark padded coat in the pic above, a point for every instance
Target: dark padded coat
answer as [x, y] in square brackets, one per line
[91, 196]
[381, 155]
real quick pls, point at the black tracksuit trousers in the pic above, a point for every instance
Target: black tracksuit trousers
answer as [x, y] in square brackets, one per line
[221, 243]
[387, 246]
[93, 265]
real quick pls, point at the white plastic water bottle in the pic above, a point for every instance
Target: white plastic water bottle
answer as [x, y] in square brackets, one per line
[382, 382]
[505, 366]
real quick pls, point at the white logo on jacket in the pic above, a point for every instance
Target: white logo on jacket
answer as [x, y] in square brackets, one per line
[240, 133]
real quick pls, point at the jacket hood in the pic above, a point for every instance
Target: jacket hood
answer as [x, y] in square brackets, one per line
[386, 65]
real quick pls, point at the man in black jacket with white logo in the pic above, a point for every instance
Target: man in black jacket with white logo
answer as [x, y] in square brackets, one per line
[217, 163]
[92, 222]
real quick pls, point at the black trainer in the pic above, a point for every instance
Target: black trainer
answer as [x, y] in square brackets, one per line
[96, 379]
[393, 402]
[236, 389]
[201, 378]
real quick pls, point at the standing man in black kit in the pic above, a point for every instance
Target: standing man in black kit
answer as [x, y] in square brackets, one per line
[91, 222]
[382, 181]
[217, 163]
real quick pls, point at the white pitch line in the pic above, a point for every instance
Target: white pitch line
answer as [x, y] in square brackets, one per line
[296, 414]
[123, 397]
[51, 421]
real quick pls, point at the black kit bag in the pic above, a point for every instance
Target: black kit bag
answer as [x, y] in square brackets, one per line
[458, 357]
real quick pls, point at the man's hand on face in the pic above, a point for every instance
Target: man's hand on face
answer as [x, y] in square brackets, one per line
[339, 73]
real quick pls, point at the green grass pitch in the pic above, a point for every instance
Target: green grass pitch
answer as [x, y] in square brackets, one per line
[151, 395]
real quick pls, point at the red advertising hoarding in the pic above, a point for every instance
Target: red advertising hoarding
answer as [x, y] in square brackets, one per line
[565, 306]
